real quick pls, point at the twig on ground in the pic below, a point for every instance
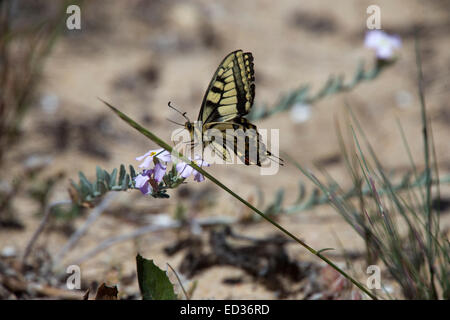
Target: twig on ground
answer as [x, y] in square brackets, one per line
[93, 216]
[39, 230]
[180, 282]
[172, 224]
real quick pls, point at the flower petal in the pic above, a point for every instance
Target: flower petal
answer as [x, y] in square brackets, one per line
[383, 43]
[384, 52]
[202, 163]
[184, 169]
[180, 166]
[165, 156]
[146, 163]
[199, 177]
[159, 171]
[396, 41]
[373, 38]
[146, 189]
[145, 155]
[187, 171]
[141, 180]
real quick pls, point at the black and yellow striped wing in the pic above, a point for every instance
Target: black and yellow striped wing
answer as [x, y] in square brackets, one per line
[241, 137]
[231, 91]
[228, 99]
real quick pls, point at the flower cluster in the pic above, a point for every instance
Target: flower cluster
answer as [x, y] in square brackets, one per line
[154, 165]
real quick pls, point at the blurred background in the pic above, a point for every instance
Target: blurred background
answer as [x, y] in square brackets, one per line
[138, 55]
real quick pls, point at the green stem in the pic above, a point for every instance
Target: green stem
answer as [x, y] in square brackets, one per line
[166, 146]
[426, 146]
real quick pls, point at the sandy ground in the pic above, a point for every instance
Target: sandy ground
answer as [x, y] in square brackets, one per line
[140, 55]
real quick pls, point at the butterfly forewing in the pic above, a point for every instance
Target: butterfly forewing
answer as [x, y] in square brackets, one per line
[231, 91]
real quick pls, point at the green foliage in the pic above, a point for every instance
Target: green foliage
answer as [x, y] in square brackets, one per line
[88, 192]
[275, 207]
[316, 197]
[24, 49]
[417, 259]
[41, 189]
[334, 85]
[171, 179]
[153, 282]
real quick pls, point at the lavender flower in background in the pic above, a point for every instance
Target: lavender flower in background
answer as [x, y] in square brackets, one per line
[384, 44]
[185, 170]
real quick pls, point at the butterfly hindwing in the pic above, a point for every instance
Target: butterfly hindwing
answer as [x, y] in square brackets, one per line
[220, 150]
[231, 91]
[241, 137]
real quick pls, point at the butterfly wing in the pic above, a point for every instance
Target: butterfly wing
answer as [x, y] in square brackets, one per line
[240, 136]
[229, 97]
[231, 91]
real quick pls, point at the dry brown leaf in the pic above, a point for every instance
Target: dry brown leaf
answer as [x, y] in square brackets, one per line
[106, 293]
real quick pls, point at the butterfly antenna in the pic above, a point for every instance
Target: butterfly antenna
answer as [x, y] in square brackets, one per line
[182, 113]
[180, 124]
[276, 160]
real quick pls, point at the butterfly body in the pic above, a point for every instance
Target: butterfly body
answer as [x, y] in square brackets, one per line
[227, 100]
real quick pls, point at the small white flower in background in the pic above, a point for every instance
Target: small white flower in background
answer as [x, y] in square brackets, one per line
[185, 170]
[8, 252]
[162, 220]
[384, 44]
[35, 162]
[49, 103]
[300, 112]
[389, 289]
[161, 154]
[404, 99]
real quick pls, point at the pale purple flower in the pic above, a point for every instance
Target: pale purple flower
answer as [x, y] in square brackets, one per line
[154, 174]
[384, 44]
[185, 170]
[160, 154]
[142, 181]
